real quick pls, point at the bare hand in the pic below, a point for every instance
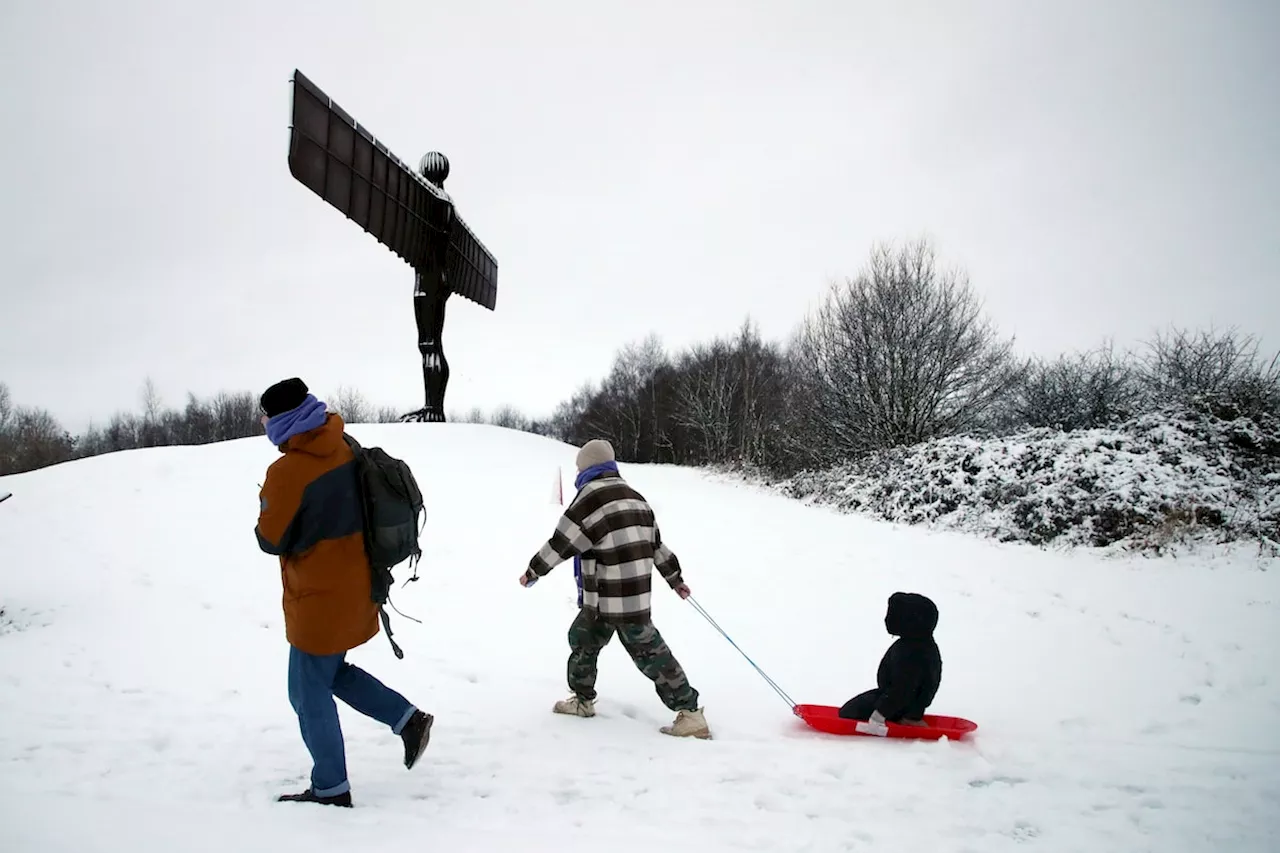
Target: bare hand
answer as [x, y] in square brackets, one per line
[683, 590]
[528, 579]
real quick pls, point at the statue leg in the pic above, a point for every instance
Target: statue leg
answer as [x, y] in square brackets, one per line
[428, 308]
[435, 367]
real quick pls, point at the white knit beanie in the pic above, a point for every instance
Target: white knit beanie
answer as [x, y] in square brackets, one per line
[597, 451]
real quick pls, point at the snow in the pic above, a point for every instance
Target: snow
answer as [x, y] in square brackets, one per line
[1160, 482]
[1124, 704]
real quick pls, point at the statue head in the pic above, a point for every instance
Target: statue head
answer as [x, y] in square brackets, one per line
[434, 166]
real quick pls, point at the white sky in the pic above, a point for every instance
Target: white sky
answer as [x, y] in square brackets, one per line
[1099, 168]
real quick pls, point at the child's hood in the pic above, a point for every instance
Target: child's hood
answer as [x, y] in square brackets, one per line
[911, 615]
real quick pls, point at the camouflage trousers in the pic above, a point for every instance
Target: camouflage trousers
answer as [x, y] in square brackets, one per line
[588, 635]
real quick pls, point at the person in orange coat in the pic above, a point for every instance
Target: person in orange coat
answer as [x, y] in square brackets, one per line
[311, 517]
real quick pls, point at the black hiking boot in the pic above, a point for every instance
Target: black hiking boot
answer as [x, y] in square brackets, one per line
[309, 796]
[415, 735]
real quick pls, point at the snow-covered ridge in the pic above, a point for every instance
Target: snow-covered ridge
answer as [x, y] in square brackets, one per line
[1171, 477]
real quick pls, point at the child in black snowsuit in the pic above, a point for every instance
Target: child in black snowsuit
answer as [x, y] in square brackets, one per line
[910, 672]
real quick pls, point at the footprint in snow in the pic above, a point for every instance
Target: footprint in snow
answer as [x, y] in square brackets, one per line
[997, 780]
[1190, 698]
[566, 796]
[766, 804]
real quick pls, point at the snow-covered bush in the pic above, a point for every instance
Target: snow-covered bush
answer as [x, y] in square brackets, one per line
[1143, 484]
[1087, 390]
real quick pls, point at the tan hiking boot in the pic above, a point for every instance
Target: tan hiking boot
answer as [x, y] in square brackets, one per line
[576, 707]
[688, 724]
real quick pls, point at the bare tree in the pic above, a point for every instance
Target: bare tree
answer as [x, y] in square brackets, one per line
[707, 383]
[8, 441]
[200, 424]
[150, 431]
[798, 441]
[124, 432]
[624, 411]
[91, 443]
[6, 405]
[760, 405]
[352, 406]
[1090, 389]
[568, 420]
[152, 405]
[474, 415]
[32, 438]
[1221, 369]
[902, 354]
[509, 417]
[235, 415]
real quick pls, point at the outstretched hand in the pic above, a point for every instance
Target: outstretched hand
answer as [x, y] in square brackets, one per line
[683, 590]
[528, 579]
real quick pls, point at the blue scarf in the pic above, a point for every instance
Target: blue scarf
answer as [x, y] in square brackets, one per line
[583, 478]
[306, 417]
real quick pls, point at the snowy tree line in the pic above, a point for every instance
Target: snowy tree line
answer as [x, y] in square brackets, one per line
[32, 438]
[897, 355]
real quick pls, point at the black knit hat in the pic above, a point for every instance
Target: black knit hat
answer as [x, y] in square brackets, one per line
[283, 397]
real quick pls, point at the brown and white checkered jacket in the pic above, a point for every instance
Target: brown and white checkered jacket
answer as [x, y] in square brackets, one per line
[611, 527]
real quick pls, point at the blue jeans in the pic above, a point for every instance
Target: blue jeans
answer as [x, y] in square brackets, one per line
[313, 682]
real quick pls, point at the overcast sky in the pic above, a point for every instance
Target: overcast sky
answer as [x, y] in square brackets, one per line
[1098, 168]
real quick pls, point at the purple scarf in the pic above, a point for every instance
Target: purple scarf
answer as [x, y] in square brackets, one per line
[582, 479]
[306, 417]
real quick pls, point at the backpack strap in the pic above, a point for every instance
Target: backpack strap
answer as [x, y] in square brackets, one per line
[386, 626]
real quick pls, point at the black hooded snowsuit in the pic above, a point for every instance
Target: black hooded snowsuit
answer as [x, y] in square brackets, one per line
[911, 671]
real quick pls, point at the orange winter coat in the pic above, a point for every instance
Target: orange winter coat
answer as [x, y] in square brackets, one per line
[311, 517]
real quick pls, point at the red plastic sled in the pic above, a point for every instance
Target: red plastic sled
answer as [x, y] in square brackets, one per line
[826, 718]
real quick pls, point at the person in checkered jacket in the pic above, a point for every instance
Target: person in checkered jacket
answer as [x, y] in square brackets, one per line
[610, 531]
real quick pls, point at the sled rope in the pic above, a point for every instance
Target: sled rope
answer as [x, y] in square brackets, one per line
[705, 615]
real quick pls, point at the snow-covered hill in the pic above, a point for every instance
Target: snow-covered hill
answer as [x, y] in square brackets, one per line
[1124, 705]
[1152, 484]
